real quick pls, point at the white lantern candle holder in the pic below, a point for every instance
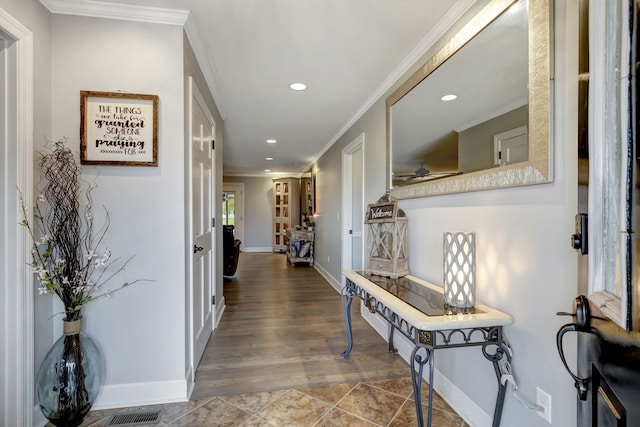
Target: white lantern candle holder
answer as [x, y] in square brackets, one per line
[459, 269]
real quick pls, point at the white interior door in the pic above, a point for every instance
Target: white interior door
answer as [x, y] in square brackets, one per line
[353, 204]
[511, 146]
[201, 191]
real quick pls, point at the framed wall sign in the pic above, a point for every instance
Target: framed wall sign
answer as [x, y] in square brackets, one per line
[118, 129]
[381, 212]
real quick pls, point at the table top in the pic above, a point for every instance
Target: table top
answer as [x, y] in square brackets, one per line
[421, 303]
[301, 232]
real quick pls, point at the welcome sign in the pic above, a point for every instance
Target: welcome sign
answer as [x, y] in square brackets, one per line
[381, 212]
[118, 129]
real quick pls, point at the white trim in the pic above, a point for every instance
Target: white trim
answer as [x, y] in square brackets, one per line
[493, 114]
[438, 30]
[220, 307]
[501, 139]
[190, 381]
[194, 348]
[188, 200]
[155, 15]
[347, 198]
[328, 277]
[238, 188]
[141, 394]
[17, 282]
[120, 11]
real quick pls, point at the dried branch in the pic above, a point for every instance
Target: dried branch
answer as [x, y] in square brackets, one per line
[68, 257]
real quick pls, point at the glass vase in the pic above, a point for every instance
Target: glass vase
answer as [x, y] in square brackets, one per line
[70, 377]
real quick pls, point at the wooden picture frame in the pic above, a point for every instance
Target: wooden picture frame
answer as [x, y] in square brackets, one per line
[381, 212]
[118, 129]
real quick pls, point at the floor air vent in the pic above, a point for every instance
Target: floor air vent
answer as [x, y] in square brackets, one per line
[139, 418]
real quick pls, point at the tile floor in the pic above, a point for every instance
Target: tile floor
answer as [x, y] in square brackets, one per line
[376, 403]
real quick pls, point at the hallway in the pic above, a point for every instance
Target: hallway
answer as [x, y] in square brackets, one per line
[274, 361]
[283, 328]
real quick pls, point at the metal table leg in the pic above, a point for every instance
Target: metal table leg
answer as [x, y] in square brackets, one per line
[347, 298]
[416, 377]
[495, 348]
[502, 391]
[392, 347]
[501, 350]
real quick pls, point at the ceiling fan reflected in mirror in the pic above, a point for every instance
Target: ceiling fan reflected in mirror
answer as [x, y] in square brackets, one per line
[423, 172]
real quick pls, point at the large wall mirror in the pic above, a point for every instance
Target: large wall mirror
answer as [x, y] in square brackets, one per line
[496, 132]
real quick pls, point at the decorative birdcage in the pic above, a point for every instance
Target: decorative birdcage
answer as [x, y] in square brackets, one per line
[387, 238]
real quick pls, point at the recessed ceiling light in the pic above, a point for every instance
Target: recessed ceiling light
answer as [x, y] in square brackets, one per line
[271, 141]
[267, 170]
[298, 86]
[268, 158]
[448, 97]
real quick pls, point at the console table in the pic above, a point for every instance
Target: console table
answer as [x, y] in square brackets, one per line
[416, 309]
[300, 246]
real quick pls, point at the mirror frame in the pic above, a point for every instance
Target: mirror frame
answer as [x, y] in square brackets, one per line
[539, 167]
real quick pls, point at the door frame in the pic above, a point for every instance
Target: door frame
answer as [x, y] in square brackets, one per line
[611, 242]
[18, 317]
[192, 94]
[347, 196]
[238, 188]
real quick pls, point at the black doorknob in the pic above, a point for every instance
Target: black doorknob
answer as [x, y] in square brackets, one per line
[581, 312]
[582, 324]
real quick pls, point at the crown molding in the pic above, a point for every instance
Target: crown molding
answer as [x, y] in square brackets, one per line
[156, 15]
[451, 17]
[126, 12]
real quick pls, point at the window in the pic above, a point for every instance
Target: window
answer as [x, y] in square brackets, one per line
[228, 207]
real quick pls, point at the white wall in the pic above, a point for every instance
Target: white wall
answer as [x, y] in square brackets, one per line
[329, 185]
[258, 216]
[525, 264]
[142, 328]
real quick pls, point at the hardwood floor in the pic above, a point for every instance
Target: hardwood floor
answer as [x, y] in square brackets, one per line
[283, 328]
[275, 361]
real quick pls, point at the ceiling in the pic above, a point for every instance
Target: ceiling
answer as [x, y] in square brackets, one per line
[347, 52]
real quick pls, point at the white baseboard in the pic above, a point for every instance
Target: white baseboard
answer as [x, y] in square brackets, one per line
[129, 395]
[141, 394]
[257, 249]
[38, 418]
[191, 382]
[328, 277]
[220, 310]
[460, 402]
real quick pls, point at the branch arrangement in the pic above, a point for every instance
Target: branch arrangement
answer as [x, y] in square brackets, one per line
[67, 256]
